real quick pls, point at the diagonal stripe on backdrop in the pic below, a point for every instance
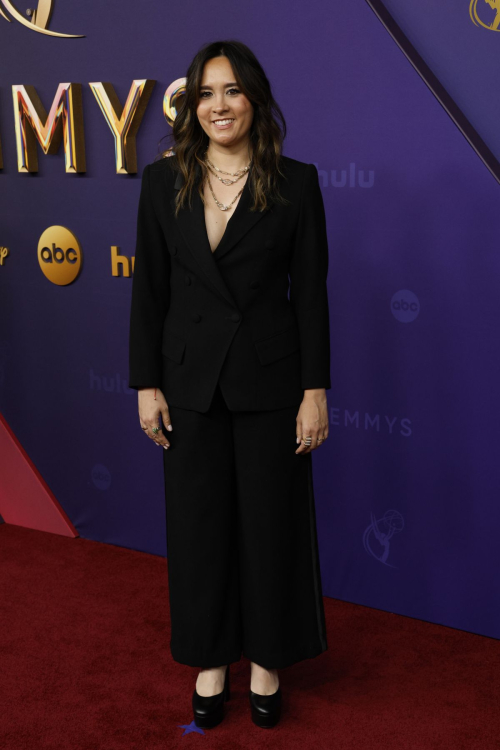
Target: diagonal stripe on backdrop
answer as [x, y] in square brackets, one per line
[440, 92]
[25, 498]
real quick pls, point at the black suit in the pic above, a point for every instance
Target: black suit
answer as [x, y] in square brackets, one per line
[199, 318]
[233, 355]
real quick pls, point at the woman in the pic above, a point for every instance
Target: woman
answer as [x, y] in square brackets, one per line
[238, 372]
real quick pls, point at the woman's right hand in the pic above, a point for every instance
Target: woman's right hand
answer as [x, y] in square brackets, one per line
[150, 410]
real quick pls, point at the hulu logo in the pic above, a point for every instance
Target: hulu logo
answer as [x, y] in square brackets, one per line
[109, 384]
[342, 178]
[122, 262]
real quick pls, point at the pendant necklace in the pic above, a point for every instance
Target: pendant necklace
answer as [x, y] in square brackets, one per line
[238, 174]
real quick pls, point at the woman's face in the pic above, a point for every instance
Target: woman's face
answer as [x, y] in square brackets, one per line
[221, 99]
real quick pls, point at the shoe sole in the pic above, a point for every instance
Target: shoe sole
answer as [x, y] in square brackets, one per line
[262, 722]
[208, 723]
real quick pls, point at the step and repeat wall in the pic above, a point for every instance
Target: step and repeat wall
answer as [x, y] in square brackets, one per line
[407, 486]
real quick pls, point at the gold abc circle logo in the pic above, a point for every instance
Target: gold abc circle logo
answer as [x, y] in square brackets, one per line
[59, 255]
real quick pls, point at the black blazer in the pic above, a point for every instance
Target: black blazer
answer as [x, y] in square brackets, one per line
[198, 317]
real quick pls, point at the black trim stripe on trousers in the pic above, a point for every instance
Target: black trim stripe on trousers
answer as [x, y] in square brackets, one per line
[243, 563]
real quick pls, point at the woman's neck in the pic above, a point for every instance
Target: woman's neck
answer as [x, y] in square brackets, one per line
[231, 158]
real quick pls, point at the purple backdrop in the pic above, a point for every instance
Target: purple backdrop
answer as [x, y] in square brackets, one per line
[407, 485]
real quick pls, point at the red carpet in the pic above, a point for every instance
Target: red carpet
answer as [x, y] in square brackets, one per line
[85, 664]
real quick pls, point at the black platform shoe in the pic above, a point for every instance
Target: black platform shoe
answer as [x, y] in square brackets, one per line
[208, 710]
[266, 709]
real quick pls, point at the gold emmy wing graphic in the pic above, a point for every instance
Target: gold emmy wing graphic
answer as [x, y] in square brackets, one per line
[40, 18]
[475, 16]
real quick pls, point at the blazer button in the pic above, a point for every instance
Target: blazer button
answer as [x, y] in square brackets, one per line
[174, 250]
[187, 279]
[196, 317]
[235, 316]
[270, 244]
[255, 284]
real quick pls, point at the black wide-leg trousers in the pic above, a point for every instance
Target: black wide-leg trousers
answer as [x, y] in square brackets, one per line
[243, 563]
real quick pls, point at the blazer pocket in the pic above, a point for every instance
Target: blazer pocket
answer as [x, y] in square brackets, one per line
[277, 346]
[173, 347]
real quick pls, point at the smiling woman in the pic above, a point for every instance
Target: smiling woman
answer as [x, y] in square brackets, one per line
[226, 116]
[229, 343]
[229, 92]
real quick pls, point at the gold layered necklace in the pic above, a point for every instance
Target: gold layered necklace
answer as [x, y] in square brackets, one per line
[238, 175]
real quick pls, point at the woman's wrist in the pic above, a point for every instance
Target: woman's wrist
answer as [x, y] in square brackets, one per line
[150, 389]
[313, 393]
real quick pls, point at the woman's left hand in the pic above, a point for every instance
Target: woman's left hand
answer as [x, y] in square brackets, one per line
[312, 420]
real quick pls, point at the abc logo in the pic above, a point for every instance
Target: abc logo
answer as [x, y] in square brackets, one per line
[101, 477]
[59, 255]
[405, 306]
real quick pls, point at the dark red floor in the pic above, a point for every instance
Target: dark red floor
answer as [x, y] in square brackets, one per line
[84, 663]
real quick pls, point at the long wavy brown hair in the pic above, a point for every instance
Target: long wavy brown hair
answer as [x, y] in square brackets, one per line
[267, 133]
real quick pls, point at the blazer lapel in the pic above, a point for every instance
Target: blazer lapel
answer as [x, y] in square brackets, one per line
[193, 228]
[239, 224]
